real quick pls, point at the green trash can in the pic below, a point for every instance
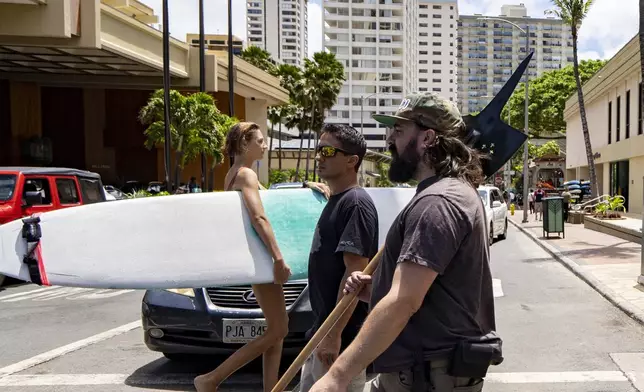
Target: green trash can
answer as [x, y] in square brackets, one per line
[553, 216]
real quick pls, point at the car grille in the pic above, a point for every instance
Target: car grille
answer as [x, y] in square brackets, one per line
[239, 296]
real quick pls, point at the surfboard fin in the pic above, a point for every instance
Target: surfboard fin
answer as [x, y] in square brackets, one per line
[487, 131]
[32, 233]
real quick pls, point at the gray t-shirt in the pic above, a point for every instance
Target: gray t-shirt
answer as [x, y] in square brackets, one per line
[443, 228]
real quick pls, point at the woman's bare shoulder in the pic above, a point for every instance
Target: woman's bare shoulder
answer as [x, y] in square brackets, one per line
[247, 177]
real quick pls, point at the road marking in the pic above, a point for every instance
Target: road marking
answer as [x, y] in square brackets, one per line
[113, 379]
[23, 293]
[555, 377]
[70, 293]
[187, 379]
[60, 351]
[497, 288]
[632, 364]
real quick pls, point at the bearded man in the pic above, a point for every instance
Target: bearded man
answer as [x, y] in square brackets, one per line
[431, 298]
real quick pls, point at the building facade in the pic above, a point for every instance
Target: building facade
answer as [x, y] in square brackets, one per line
[72, 95]
[280, 27]
[489, 51]
[216, 42]
[613, 102]
[389, 48]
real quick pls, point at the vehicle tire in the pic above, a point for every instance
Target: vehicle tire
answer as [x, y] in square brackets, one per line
[2, 279]
[491, 236]
[505, 231]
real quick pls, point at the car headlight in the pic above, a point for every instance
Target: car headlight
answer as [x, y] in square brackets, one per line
[186, 292]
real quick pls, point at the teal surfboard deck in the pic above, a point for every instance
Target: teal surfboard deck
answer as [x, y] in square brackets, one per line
[293, 218]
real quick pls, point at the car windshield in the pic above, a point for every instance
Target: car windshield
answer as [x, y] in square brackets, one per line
[483, 195]
[7, 186]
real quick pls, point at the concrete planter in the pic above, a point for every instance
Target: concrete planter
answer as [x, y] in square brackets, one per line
[607, 226]
[575, 218]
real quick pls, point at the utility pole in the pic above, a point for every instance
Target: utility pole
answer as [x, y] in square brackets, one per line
[527, 141]
[202, 80]
[167, 145]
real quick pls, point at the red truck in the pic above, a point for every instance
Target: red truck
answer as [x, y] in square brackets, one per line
[28, 190]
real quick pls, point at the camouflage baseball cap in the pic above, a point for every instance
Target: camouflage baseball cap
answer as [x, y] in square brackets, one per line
[426, 109]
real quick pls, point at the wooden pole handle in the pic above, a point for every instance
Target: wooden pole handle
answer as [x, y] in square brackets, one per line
[324, 329]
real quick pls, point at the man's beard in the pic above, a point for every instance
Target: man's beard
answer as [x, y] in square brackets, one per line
[403, 166]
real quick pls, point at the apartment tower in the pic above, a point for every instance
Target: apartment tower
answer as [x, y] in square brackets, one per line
[389, 48]
[279, 27]
[490, 50]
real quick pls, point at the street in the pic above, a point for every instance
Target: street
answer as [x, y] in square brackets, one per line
[559, 335]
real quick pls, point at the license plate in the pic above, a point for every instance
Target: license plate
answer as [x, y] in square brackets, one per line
[242, 330]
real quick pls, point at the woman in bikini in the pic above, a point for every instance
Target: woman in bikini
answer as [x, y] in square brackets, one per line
[246, 144]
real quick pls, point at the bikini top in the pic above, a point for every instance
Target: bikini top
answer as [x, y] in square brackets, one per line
[232, 181]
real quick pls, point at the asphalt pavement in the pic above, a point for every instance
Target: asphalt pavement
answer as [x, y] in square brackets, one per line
[559, 335]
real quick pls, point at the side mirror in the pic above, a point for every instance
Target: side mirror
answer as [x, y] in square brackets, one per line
[496, 204]
[31, 198]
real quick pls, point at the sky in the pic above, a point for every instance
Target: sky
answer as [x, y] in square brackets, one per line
[606, 29]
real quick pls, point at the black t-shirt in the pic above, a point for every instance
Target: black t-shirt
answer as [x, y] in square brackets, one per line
[348, 223]
[442, 228]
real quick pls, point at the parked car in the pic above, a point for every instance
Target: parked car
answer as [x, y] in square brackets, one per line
[28, 190]
[180, 322]
[496, 211]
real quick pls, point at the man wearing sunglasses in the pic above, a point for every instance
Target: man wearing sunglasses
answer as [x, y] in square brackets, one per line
[345, 239]
[433, 287]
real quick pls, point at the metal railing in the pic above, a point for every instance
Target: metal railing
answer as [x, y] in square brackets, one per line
[603, 199]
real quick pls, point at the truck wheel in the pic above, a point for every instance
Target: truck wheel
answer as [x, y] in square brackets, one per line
[491, 236]
[2, 279]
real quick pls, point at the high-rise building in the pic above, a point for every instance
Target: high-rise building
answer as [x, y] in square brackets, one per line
[280, 27]
[490, 50]
[389, 48]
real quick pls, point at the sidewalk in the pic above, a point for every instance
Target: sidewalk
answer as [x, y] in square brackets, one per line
[609, 264]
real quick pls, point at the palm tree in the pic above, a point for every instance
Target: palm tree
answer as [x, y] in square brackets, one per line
[274, 116]
[290, 76]
[194, 126]
[323, 78]
[259, 58]
[573, 12]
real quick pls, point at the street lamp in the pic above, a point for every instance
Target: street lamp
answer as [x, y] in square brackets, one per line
[525, 145]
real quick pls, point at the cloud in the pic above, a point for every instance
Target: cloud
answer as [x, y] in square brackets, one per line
[184, 17]
[606, 29]
[315, 27]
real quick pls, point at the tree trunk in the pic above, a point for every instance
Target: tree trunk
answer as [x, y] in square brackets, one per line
[308, 156]
[641, 62]
[584, 123]
[299, 157]
[279, 141]
[270, 148]
[177, 173]
[315, 161]
[308, 149]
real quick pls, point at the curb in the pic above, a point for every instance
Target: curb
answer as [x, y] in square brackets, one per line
[614, 298]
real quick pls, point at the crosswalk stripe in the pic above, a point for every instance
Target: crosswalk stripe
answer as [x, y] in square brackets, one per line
[70, 293]
[497, 288]
[62, 293]
[33, 294]
[187, 379]
[23, 293]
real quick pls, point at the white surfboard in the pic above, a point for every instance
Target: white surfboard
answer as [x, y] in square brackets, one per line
[191, 240]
